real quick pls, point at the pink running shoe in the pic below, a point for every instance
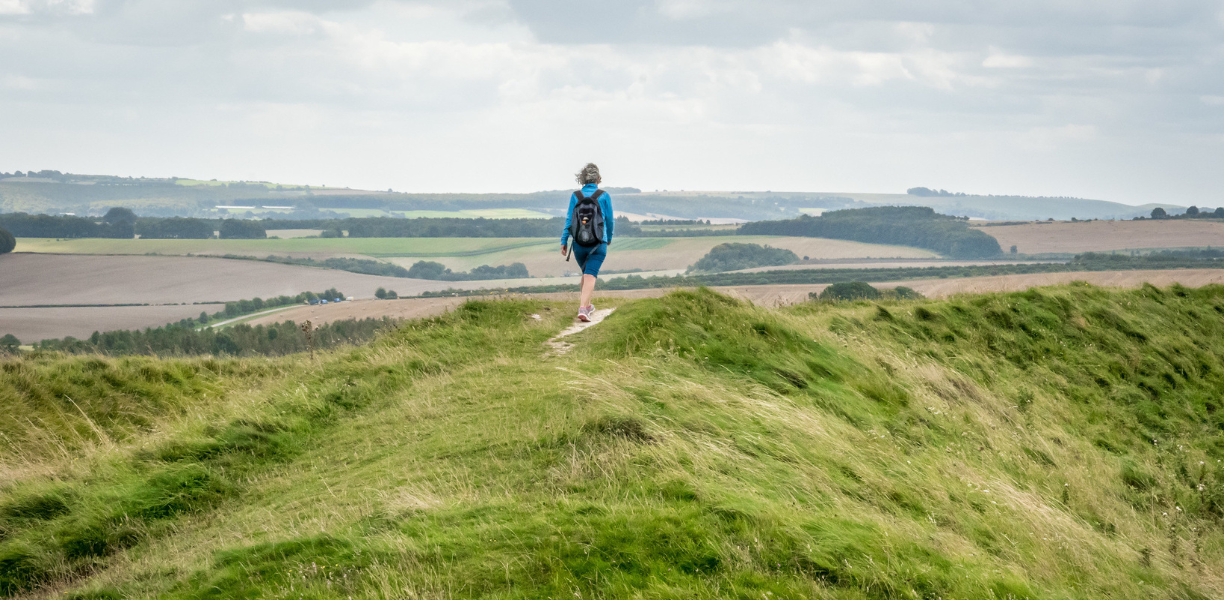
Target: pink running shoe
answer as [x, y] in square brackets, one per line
[584, 313]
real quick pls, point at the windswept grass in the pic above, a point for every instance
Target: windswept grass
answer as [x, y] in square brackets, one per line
[1057, 443]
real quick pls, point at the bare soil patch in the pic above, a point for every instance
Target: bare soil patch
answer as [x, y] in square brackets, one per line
[1107, 236]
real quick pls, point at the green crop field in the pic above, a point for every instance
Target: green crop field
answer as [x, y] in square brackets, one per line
[491, 213]
[1060, 443]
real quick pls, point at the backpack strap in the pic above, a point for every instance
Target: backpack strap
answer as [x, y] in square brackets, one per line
[580, 195]
[596, 195]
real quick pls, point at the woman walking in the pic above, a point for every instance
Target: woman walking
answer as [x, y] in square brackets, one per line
[589, 222]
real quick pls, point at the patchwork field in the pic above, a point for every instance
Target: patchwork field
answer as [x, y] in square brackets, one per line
[541, 255]
[1107, 236]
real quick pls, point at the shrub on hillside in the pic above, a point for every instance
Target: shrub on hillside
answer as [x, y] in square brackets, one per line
[7, 241]
[733, 257]
[903, 293]
[237, 229]
[853, 290]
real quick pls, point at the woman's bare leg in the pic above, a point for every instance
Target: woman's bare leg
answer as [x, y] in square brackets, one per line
[588, 288]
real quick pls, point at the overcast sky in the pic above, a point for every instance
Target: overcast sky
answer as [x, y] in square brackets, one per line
[1113, 99]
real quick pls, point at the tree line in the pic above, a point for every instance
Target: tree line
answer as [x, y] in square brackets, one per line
[1193, 212]
[917, 226]
[122, 223]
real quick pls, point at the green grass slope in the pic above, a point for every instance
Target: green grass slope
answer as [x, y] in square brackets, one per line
[1058, 443]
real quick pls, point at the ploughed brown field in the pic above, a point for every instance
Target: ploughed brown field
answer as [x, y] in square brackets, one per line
[766, 295]
[34, 324]
[1107, 236]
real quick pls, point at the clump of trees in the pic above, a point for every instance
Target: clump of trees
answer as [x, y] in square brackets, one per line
[437, 271]
[858, 290]
[918, 226]
[9, 344]
[1191, 213]
[237, 229]
[733, 257]
[7, 241]
[928, 192]
[851, 290]
[240, 340]
[385, 294]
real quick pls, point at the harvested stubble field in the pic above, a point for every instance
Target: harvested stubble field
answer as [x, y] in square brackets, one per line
[764, 295]
[1107, 236]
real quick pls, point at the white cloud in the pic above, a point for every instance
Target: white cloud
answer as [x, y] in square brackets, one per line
[60, 7]
[1000, 60]
[14, 7]
[295, 23]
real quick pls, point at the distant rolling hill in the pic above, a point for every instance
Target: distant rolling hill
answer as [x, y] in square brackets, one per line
[54, 192]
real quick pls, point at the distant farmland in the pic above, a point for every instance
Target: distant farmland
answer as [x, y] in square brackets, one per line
[1107, 236]
[541, 255]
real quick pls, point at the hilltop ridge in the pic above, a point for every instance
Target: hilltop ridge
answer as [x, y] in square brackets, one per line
[1056, 443]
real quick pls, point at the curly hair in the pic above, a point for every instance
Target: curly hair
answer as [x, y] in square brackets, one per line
[588, 174]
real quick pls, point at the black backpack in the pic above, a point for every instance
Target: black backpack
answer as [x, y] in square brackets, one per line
[587, 223]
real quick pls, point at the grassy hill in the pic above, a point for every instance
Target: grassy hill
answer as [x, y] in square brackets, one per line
[1057, 443]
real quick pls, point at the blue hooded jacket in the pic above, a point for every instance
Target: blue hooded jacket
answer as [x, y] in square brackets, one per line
[605, 206]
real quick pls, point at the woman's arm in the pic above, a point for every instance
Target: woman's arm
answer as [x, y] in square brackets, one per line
[609, 217]
[569, 215]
